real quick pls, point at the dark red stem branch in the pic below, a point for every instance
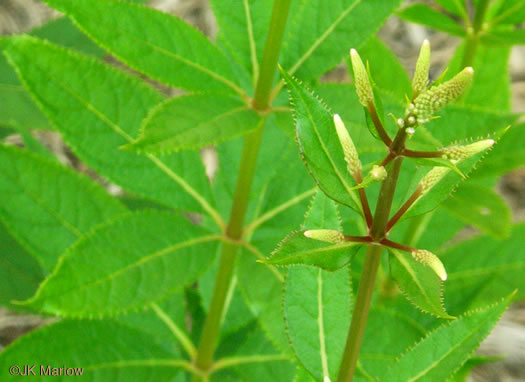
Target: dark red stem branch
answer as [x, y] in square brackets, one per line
[403, 209]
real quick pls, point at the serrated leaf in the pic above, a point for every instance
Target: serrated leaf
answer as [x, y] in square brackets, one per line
[419, 283]
[317, 306]
[445, 350]
[438, 162]
[505, 36]
[41, 199]
[453, 6]
[483, 269]
[126, 264]
[106, 350]
[193, 121]
[155, 43]
[319, 146]
[19, 271]
[321, 33]
[78, 96]
[297, 249]
[480, 207]
[463, 374]
[423, 14]
[243, 26]
[510, 12]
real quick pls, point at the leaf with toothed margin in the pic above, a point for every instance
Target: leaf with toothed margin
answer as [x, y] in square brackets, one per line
[299, 249]
[317, 303]
[106, 350]
[193, 121]
[154, 43]
[419, 283]
[78, 96]
[126, 264]
[41, 199]
[444, 350]
[319, 145]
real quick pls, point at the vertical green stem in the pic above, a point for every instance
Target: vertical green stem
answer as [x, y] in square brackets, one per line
[472, 40]
[369, 273]
[210, 333]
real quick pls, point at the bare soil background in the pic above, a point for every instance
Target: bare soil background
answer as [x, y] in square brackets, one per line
[404, 39]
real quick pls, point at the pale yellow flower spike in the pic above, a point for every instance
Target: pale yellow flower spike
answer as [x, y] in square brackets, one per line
[420, 79]
[432, 178]
[327, 235]
[349, 150]
[362, 82]
[430, 260]
[459, 153]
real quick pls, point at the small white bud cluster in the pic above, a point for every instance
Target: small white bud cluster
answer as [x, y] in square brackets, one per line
[433, 99]
[378, 173]
[326, 235]
[362, 82]
[458, 153]
[430, 260]
[349, 150]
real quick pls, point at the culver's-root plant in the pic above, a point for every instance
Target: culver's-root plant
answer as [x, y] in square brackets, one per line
[177, 278]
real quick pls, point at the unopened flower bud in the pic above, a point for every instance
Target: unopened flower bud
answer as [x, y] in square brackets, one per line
[362, 82]
[420, 79]
[459, 153]
[430, 260]
[349, 150]
[376, 174]
[432, 178]
[327, 235]
[433, 99]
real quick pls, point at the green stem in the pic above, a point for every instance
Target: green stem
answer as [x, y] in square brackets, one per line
[234, 230]
[370, 267]
[473, 35]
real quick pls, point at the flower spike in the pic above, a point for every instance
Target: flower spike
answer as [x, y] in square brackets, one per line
[420, 79]
[459, 153]
[430, 260]
[349, 150]
[326, 235]
[362, 82]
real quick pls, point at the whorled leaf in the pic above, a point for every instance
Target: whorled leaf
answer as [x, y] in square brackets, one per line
[319, 145]
[78, 95]
[444, 350]
[126, 264]
[155, 43]
[47, 206]
[194, 121]
[418, 282]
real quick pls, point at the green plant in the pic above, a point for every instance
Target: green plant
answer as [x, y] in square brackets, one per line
[145, 293]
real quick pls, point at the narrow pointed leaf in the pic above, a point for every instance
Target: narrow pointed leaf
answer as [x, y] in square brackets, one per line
[194, 121]
[425, 15]
[103, 350]
[127, 264]
[483, 269]
[155, 43]
[321, 33]
[317, 306]
[419, 283]
[482, 208]
[449, 347]
[42, 199]
[77, 94]
[319, 145]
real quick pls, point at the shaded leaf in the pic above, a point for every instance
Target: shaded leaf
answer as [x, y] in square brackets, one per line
[193, 121]
[481, 207]
[423, 14]
[41, 199]
[419, 283]
[126, 264]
